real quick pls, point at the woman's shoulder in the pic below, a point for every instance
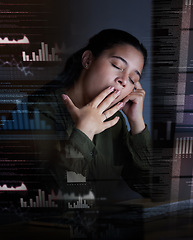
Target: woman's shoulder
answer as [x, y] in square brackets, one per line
[45, 93]
[47, 105]
[48, 96]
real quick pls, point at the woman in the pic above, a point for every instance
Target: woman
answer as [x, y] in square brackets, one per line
[84, 112]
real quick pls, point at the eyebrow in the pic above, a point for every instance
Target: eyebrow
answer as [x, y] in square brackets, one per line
[126, 63]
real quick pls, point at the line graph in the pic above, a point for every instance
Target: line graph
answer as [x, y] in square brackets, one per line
[19, 65]
[6, 40]
[19, 188]
[72, 196]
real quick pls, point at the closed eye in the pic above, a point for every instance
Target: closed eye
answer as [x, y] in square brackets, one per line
[131, 81]
[117, 67]
[121, 71]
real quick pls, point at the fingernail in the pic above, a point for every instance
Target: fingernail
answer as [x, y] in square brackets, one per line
[117, 92]
[121, 104]
[111, 88]
[64, 96]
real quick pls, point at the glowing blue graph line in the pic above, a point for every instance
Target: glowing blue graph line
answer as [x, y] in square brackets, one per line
[20, 67]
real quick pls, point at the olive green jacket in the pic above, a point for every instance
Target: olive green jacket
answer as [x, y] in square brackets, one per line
[112, 155]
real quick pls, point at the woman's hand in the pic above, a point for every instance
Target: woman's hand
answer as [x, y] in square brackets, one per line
[90, 119]
[133, 109]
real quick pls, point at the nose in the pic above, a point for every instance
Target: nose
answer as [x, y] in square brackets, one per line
[122, 81]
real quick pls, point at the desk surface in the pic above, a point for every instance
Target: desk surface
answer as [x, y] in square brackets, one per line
[175, 225]
[170, 228]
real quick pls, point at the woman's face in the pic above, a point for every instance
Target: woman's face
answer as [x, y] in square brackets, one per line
[120, 67]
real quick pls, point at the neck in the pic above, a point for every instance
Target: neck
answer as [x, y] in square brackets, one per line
[76, 93]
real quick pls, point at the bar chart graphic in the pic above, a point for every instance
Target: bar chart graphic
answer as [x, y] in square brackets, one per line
[79, 204]
[183, 146]
[42, 56]
[110, 232]
[21, 121]
[40, 201]
[188, 2]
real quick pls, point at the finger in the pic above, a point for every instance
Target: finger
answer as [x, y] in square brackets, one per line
[108, 100]
[126, 99]
[98, 99]
[69, 104]
[139, 92]
[137, 96]
[110, 112]
[136, 93]
[105, 116]
[138, 85]
[111, 123]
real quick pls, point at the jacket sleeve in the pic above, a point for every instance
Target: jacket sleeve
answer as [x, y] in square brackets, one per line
[65, 148]
[137, 168]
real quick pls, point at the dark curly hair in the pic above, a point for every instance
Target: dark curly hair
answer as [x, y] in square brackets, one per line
[104, 40]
